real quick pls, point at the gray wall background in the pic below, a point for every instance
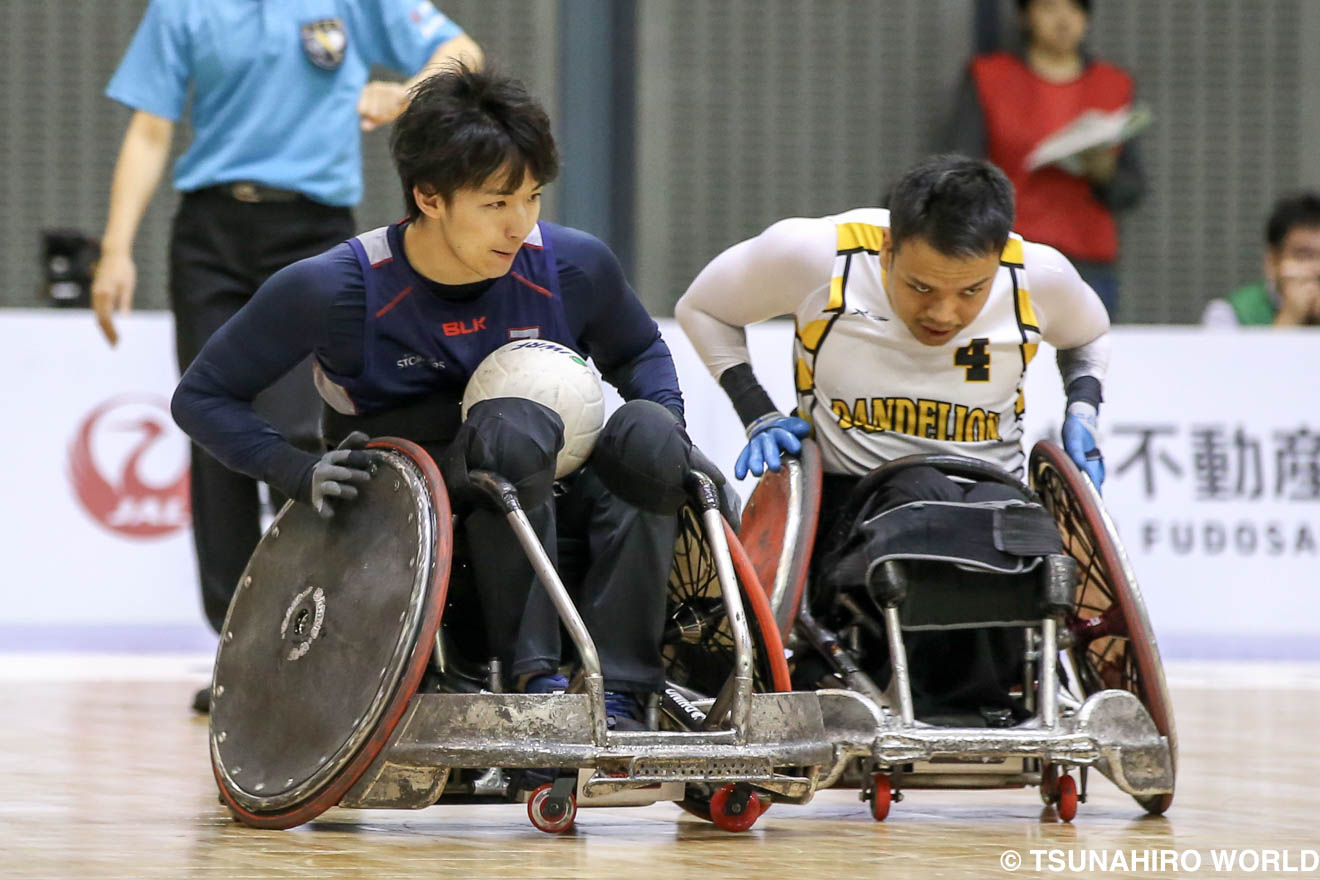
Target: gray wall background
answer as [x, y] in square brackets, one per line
[748, 111]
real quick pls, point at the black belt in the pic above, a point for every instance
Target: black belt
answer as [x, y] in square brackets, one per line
[255, 193]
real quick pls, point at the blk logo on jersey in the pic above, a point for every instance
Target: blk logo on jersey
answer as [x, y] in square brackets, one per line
[325, 42]
[463, 328]
[129, 467]
[933, 419]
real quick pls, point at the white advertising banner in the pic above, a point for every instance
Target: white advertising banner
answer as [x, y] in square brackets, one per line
[95, 519]
[1212, 444]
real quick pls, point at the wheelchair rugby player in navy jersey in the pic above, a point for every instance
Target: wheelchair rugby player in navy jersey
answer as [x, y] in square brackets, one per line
[397, 319]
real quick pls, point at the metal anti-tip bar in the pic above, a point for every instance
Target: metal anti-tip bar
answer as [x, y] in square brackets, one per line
[739, 697]
[1049, 673]
[502, 492]
[898, 657]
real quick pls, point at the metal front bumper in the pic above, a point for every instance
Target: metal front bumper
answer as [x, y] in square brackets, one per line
[782, 750]
[1110, 731]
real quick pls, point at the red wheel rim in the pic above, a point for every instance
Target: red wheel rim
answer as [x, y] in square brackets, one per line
[535, 805]
[1113, 642]
[410, 679]
[882, 797]
[1067, 805]
[764, 522]
[728, 822]
[761, 612]
[770, 666]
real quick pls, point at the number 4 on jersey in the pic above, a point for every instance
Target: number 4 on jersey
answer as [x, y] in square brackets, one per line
[976, 359]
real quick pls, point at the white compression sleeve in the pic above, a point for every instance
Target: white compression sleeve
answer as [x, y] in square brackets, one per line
[1071, 316]
[1091, 359]
[1069, 311]
[755, 280]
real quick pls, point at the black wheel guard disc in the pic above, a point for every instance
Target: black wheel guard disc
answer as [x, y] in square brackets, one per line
[325, 619]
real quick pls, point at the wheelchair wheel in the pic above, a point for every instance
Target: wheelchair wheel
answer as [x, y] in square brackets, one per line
[1108, 636]
[326, 641]
[698, 646]
[778, 528]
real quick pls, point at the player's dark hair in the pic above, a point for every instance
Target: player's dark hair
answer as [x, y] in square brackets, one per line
[1291, 212]
[462, 126]
[962, 207]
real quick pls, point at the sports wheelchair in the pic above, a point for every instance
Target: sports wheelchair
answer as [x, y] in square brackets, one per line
[1091, 693]
[345, 675]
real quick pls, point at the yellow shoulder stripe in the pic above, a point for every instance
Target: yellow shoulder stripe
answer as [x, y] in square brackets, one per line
[860, 235]
[1026, 313]
[1012, 252]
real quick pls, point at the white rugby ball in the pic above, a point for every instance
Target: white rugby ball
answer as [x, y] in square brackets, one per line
[552, 375]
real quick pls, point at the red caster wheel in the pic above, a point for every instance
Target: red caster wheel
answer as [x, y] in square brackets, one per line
[549, 812]
[734, 807]
[1067, 798]
[882, 795]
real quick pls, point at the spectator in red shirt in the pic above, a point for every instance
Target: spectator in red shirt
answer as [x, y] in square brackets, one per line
[1011, 101]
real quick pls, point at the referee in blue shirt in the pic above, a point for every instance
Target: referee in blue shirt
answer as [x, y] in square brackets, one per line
[278, 94]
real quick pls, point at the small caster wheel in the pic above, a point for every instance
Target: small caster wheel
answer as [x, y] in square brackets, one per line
[1049, 784]
[734, 807]
[881, 796]
[549, 812]
[1067, 798]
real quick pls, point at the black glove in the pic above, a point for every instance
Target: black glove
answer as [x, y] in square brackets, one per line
[337, 471]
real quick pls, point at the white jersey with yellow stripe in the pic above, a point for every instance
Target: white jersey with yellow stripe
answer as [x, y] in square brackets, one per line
[875, 393]
[872, 391]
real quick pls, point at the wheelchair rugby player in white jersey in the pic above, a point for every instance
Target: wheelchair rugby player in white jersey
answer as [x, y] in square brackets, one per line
[979, 599]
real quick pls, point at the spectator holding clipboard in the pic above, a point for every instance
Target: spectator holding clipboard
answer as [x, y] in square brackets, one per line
[1058, 122]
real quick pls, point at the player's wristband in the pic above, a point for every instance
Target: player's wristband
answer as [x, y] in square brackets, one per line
[1085, 389]
[749, 399]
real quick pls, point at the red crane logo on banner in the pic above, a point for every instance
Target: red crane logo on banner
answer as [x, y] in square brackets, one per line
[146, 494]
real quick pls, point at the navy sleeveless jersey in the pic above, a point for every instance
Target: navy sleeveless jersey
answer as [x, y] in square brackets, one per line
[415, 343]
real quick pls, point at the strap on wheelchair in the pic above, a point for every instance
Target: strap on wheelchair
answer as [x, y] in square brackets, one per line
[1003, 540]
[1008, 537]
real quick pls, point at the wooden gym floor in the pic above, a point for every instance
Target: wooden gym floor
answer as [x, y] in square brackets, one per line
[104, 774]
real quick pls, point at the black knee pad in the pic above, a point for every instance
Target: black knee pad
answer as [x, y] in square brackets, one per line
[516, 438]
[642, 455]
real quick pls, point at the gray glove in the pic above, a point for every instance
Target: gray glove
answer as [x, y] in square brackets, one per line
[337, 471]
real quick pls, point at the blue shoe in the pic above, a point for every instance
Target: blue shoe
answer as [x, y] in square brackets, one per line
[623, 711]
[546, 683]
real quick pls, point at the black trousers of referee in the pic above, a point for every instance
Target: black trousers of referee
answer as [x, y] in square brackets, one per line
[221, 250]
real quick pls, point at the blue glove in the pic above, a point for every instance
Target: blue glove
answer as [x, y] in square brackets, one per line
[768, 437]
[1079, 433]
